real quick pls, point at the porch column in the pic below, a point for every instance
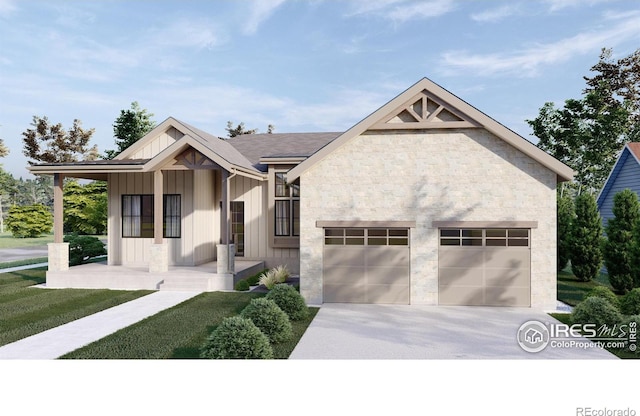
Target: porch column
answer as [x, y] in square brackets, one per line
[159, 256]
[225, 251]
[58, 250]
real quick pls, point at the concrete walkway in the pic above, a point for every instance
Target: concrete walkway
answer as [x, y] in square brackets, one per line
[58, 341]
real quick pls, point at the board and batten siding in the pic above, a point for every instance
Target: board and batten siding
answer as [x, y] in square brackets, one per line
[196, 244]
[628, 177]
[158, 144]
[254, 193]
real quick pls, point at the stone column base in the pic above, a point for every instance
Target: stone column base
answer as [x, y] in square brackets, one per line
[226, 259]
[58, 257]
[159, 258]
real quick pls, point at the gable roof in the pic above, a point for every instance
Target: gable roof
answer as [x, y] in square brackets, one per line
[630, 150]
[279, 145]
[410, 110]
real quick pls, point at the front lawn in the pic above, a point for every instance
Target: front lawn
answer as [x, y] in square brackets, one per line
[571, 290]
[25, 311]
[179, 332]
[7, 240]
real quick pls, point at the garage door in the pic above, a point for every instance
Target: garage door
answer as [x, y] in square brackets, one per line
[366, 265]
[484, 267]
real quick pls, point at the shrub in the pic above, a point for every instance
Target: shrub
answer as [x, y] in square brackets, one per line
[29, 220]
[619, 244]
[268, 279]
[269, 318]
[242, 285]
[253, 280]
[606, 294]
[630, 303]
[595, 310]
[290, 301]
[83, 247]
[237, 338]
[281, 273]
[586, 237]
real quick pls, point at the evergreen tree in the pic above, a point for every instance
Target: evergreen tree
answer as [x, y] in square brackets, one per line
[130, 127]
[618, 246]
[635, 255]
[566, 214]
[586, 237]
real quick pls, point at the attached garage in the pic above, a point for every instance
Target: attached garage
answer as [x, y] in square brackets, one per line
[366, 265]
[484, 266]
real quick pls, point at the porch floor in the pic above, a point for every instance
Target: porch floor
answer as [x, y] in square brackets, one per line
[102, 276]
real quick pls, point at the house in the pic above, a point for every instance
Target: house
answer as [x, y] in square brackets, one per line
[624, 175]
[425, 201]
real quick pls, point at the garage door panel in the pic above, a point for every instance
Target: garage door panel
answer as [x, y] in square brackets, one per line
[461, 295]
[342, 255]
[344, 293]
[507, 296]
[507, 277]
[363, 273]
[460, 257]
[461, 277]
[512, 257]
[387, 255]
[344, 275]
[484, 267]
[388, 275]
[396, 294]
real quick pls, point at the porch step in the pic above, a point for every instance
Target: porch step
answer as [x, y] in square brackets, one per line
[209, 283]
[248, 271]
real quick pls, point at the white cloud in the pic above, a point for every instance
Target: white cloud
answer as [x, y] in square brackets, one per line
[196, 33]
[260, 11]
[7, 7]
[495, 15]
[555, 5]
[528, 61]
[402, 10]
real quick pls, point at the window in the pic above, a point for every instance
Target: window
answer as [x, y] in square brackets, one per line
[137, 216]
[366, 236]
[489, 237]
[237, 226]
[287, 207]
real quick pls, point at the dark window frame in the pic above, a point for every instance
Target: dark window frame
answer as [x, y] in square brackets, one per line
[286, 207]
[145, 213]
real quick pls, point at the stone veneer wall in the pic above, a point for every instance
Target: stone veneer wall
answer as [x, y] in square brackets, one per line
[432, 175]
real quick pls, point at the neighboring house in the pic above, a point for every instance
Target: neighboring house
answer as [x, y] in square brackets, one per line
[425, 201]
[624, 175]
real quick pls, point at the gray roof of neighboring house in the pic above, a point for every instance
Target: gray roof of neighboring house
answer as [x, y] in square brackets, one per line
[257, 146]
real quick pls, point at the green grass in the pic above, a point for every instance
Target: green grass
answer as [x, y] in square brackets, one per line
[16, 263]
[571, 290]
[179, 332]
[8, 241]
[25, 311]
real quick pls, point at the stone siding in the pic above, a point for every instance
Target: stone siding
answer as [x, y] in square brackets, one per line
[434, 175]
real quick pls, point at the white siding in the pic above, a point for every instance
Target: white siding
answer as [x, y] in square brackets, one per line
[158, 144]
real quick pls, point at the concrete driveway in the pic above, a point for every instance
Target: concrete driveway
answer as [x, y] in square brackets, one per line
[356, 331]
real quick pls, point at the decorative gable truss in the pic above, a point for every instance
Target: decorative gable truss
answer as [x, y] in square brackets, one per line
[192, 159]
[425, 111]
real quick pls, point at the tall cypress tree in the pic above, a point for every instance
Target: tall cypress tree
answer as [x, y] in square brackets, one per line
[618, 254]
[566, 214]
[586, 237]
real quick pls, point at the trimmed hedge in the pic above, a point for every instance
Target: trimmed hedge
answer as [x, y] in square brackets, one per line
[290, 301]
[596, 310]
[269, 318]
[237, 338]
[242, 286]
[253, 280]
[606, 294]
[630, 303]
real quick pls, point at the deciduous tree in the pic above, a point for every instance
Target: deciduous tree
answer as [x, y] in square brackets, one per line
[51, 143]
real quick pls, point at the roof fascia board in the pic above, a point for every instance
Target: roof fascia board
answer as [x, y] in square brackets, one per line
[178, 147]
[564, 172]
[160, 128]
[281, 160]
[85, 169]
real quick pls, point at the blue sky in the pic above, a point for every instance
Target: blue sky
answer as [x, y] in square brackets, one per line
[299, 65]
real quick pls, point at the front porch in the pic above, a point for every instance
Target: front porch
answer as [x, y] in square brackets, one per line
[178, 278]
